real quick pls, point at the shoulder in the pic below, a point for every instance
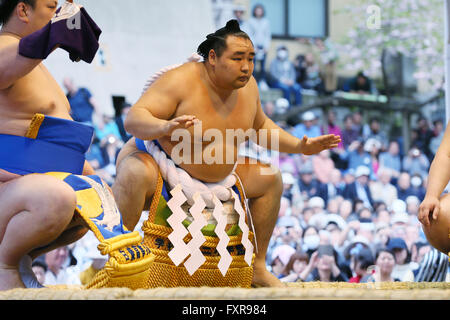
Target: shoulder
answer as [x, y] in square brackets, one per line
[7, 40]
[184, 73]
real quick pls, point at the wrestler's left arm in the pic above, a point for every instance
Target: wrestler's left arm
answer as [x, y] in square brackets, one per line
[288, 143]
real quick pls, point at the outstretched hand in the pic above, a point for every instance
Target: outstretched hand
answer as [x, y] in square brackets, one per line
[310, 146]
[182, 122]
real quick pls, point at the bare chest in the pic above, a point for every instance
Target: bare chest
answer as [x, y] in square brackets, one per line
[37, 92]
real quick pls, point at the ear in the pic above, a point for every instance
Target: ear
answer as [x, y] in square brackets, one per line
[212, 57]
[22, 11]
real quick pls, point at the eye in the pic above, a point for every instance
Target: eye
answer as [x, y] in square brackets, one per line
[237, 59]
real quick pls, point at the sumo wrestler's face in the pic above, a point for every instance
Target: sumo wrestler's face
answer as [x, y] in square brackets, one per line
[41, 14]
[234, 67]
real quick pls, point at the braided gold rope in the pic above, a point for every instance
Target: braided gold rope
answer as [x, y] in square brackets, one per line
[296, 291]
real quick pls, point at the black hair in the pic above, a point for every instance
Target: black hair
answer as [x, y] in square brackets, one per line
[217, 41]
[38, 263]
[364, 258]
[7, 7]
[259, 5]
[379, 251]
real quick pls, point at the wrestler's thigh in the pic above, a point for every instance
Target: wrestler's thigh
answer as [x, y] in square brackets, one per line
[439, 230]
[258, 178]
[48, 197]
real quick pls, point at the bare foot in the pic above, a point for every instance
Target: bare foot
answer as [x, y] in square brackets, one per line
[10, 278]
[263, 278]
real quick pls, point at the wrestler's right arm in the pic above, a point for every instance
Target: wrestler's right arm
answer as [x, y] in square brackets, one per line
[438, 178]
[151, 117]
[13, 66]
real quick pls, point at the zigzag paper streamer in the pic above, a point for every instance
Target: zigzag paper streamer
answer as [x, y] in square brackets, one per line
[225, 257]
[195, 228]
[180, 250]
[244, 228]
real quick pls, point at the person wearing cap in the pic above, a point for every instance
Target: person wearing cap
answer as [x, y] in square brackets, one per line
[402, 269]
[309, 186]
[307, 126]
[360, 188]
[283, 76]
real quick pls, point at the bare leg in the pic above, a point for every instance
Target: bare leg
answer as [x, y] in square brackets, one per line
[137, 175]
[264, 192]
[438, 232]
[35, 211]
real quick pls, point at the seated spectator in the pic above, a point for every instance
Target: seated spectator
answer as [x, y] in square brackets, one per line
[39, 268]
[324, 266]
[306, 214]
[346, 209]
[310, 240]
[283, 76]
[83, 107]
[422, 137]
[360, 84]
[360, 188]
[310, 186]
[331, 127]
[312, 79]
[280, 257]
[383, 190]
[417, 188]
[349, 133]
[391, 160]
[358, 124]
[376, 133]
[335, 186]
[404, 189]
[373, 147]
[258, 29]
[58, 272]
[361, 260]
[438, 135]
[282, 105]
[384, 265]
[412, 205]
[290, 187]
[318, 218]
[402, 269]
[296, 265]
[356, 156]
[415, 162]
[323, 166]
[300, 68]
[307, 126]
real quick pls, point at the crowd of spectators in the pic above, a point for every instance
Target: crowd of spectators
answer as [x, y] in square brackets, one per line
[350, 214]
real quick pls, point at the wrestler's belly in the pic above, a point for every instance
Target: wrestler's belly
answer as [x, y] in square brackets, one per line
[206, 162]
[213, 172]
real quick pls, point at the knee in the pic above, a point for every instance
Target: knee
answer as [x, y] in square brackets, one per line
[274, 179]
[56, 201]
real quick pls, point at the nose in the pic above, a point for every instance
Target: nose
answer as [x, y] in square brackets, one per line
[245, 67]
